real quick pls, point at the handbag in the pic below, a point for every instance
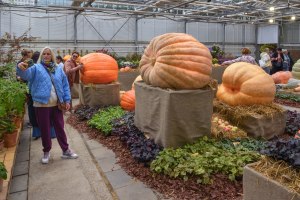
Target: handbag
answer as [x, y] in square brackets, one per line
[61, 105]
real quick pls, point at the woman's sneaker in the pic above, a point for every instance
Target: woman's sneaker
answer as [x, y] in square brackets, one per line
[45, 158]
[69, 155]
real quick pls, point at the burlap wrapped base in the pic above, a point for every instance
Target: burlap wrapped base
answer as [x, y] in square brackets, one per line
[173, 118]
[255, 125]
[99, 94]
[75, 91]
[126, 79]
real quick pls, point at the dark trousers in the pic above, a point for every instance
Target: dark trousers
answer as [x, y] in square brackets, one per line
[45, 117]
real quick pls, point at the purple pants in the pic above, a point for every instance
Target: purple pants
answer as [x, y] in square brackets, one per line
[46, 115]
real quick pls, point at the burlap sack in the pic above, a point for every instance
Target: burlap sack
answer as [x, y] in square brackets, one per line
[126, 79]
[217, 73]
[75, 91]
[99, 94]
[172, 118]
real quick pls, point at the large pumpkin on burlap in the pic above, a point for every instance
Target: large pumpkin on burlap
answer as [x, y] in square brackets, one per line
[128, 100]
[296, 70]
[246, 84]
[177, 61]
[281, 77]
[98, 68]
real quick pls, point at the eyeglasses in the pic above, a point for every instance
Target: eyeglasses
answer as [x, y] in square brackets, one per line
[75, 56]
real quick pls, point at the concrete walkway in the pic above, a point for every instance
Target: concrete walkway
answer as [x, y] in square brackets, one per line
[93, 176]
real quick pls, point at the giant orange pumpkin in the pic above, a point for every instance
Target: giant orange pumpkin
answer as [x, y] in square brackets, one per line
[246, 84]
[176, 60]
[281, 77]
[98, 68]
[128, 100]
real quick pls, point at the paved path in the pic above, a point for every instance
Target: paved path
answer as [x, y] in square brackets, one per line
[93, 176]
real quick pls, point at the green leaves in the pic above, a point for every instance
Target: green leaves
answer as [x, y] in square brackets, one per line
[103, 119]
[288, 96]
[203, 158]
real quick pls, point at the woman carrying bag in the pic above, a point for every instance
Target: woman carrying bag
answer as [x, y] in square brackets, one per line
[49, 88]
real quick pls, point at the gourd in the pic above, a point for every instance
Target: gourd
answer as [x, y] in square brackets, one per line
[296, 70]
[128, 100]
[246, 84]
[177, 61]
[98, 68]
[281, 77]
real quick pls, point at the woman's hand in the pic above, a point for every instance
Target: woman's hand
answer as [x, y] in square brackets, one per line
[23, 66]
[68, 106]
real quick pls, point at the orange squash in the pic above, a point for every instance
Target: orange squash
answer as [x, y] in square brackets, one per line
[176, 60]
[281, 77]
[246, 84]
[127, 69]
[128, 100]
[122, 70]
[98, 68]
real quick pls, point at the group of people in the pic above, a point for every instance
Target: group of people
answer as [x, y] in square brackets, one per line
[49, 81]
[270, 62]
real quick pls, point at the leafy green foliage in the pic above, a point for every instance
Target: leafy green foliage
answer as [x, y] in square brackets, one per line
[3, 171]
[203, 158]
[103, 119]
[292, 122]
[288, 96]
[12, 97]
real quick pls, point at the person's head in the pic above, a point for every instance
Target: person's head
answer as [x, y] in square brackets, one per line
[75, 55]
[279, 50]
[267, 50]
[58, 59]
[285, 51]
[246, 51]
[35, 56]
[47, 55]
[26, 53]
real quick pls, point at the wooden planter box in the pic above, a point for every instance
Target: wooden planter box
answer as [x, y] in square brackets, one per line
[173, 117]
[217, 73]
[256, 186]
[126, 79]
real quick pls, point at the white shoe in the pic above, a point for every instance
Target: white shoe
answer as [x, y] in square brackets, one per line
[45, 158]
[69, 155]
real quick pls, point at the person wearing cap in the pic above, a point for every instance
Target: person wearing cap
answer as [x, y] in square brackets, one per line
[244, 58]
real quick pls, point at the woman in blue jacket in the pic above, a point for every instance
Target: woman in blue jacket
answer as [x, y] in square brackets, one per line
[49, 85]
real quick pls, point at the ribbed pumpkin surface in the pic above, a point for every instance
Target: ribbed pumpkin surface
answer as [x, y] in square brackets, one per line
[99, 68]
[176, 60]
[128, 100]
[281, 77]
[296, 70]
[246, 84]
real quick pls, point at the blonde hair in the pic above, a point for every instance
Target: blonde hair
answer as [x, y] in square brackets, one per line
[53, 58]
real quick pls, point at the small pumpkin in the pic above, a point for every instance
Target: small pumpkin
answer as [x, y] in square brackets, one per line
[296, 70]
[122, 70]
[246, 84]
[99, 68]
[138, 78]
[281, 77]
[176, 60]
[127, 69]
[128, 100]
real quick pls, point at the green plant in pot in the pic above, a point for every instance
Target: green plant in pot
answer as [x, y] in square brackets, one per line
[3, 171]
[10, 133]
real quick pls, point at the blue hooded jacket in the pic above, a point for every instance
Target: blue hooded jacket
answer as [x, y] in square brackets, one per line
[41, 84]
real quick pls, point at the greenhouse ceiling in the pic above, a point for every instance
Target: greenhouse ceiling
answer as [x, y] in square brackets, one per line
[224, 11]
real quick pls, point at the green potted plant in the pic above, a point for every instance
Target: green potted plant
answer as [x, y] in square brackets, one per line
[3, 174]
[10, 132]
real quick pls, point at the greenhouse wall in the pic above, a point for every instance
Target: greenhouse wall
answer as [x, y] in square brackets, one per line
[117, 34]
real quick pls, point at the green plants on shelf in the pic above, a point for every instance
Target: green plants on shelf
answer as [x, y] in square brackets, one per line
[3, 171]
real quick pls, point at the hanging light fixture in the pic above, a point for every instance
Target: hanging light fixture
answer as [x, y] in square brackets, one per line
[293, 17]
[271, 21]
[272, 8]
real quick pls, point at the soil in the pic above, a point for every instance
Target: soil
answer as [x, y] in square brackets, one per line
[221, 189]
[287, 102]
